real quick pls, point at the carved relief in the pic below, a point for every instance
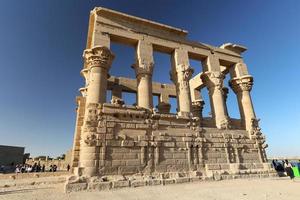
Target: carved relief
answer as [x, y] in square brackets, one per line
[90, 139]
[225, 124]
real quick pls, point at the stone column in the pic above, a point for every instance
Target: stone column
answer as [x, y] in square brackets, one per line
[225, 93]
[214, 82]
[242, 87]
[197, 107]
[98, 60]
[143, 69]
[163, 104]
[181, 73]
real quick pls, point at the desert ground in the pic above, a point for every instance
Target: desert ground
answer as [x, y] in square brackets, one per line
[239, 189]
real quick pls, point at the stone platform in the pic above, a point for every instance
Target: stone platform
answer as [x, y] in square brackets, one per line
[163, 148]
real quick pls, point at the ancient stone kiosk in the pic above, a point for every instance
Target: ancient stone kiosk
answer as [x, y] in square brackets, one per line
[119, 145]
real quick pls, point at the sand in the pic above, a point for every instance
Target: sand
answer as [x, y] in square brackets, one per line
[242, 189]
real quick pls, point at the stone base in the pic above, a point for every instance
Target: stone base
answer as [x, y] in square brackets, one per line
[76, 183]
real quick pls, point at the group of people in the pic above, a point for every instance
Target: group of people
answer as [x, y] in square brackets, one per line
[36, 167]
[286, 166]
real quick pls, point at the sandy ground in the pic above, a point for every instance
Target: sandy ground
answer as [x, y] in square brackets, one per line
[243, 189]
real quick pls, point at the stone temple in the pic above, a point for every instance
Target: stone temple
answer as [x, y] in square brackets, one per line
[118, 145]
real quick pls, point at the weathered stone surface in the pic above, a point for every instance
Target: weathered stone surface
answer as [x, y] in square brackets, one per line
[118, 139]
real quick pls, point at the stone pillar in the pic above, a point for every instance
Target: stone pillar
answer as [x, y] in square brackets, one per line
[242, 87]
[116, 96]
[225, 93]
[214, 83]
[98, 60]
[163, 104]
[197, 107]
[143, 69]
[180, 74]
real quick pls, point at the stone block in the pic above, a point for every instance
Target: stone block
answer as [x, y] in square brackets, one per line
[142, 126]
[181, 155]
[117, 156]
[118, 163]
[128, 170]
[168, 144]
[138, 183]
[101, 130]
[167, 155]
[182, 180]
[133, 162]
[168, 181]
[154, 182]
[109, 136]
[110, 124]
[120, 184]
[194, 179]
[75, 187]
[100, 186]
[130, 126]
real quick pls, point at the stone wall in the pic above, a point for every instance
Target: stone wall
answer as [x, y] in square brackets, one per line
[129, 140]
[11, 154]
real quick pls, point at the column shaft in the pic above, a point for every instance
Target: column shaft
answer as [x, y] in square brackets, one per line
[144, 92]
[143, 69]
[214, 83]
[97, 85]
[97, 63]
[181, 74]
[242, 87]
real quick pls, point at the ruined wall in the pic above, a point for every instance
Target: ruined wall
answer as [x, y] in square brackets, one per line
[131, 141]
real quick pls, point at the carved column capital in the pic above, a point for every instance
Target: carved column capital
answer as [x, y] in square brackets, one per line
[98, 56]
[182, 75]
[197, 108]
[213, 80]
[241, 84]
[143, 67]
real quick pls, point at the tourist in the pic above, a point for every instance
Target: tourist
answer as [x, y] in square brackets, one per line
[29, 169]
[2, 169]
[18, 170]
[274, 162]
[43, 168]
[68, 167]
[54, 168]
[288, 169]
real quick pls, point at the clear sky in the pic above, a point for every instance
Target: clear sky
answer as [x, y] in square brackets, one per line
[41, 44]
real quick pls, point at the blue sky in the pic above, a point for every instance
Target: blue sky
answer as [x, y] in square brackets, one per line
[41, 44]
